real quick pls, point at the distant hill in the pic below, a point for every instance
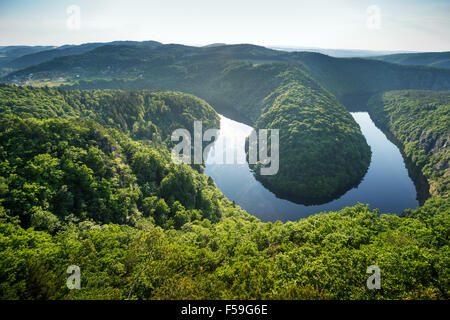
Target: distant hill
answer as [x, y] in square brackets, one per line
[430, 59]
[195, 69]
[338, 53]
[354, 80]
[9, 53]
[214, 45]
[66, 50]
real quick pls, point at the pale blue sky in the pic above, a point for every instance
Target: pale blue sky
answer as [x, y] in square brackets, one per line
[405, 25]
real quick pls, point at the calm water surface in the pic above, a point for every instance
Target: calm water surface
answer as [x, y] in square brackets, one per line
[386, 184]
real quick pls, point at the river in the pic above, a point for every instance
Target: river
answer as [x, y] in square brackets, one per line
[385, 186]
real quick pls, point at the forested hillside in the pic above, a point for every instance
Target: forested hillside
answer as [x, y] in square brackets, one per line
[10, 53]
[420, 120]
[57, 169]
[34, 58]
[142, 114]
[430, 59]
[354, 80]
[322, 150]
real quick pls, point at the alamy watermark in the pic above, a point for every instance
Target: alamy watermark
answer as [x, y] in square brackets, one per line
[74, 280]
[73, 21]
[225, 151]
[373, 20]
[374, 281]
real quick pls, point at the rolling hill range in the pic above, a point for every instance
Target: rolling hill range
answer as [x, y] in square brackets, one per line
[46, 55]
[10, 53]
[191, 69]
[430, 59]
[255, 84]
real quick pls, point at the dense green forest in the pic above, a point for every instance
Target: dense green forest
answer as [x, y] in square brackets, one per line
[59, 169]
[141, 114]
[420, 120]
[322, 257]
[86, 177]
[309, 118]
[76, 191]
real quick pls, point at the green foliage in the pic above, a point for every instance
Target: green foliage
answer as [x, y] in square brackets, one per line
[324, 256]
[420, 121]
[58, 169]
[141, 114]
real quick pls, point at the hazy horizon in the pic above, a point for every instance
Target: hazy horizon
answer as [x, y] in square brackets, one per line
[415, 25]
[270, 46]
